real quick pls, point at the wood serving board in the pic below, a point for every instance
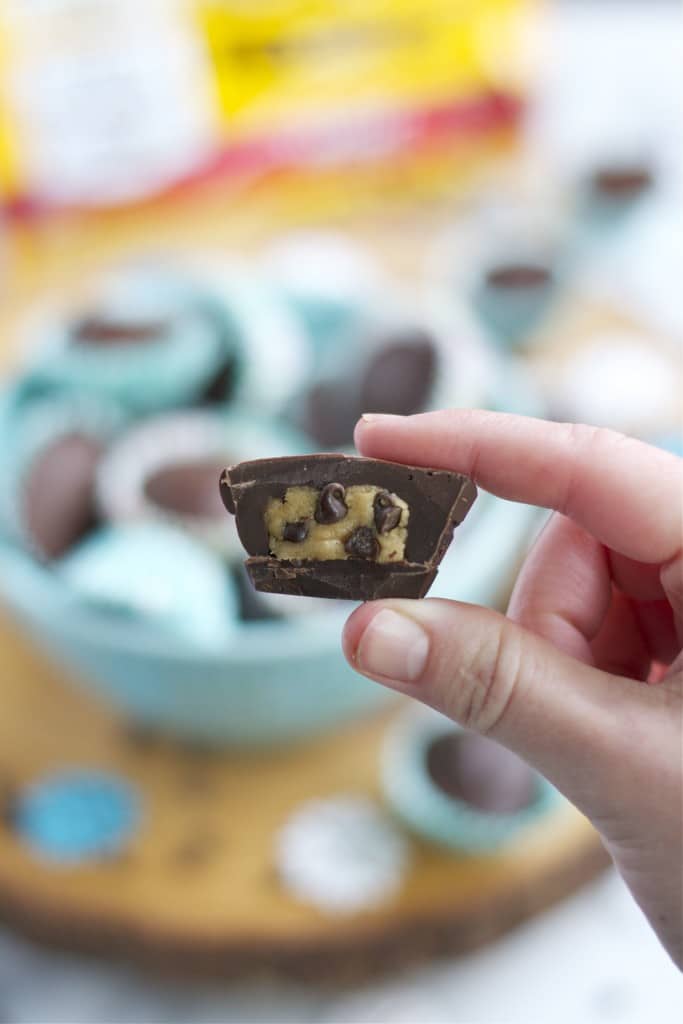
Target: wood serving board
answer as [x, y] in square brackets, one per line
[196, 891]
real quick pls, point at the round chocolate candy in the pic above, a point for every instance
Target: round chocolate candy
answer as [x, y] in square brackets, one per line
[154, 577]
[54, 448]
[144, 339]
[621, 182]
[188, 489]
[399, 377]
[457, 789]
[480, 772]
[58, 494]
[169, 467]
[408, 364]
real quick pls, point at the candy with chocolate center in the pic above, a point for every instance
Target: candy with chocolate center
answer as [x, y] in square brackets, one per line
[386, 528]
[481, 773]
[514, 276]
[58, 496]
[622, 182]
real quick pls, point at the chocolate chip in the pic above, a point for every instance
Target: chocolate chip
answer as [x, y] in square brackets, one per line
[387, 514]
[331, 506]
[513, 276]
[362, 543]
[295, 532]
[481, 773]
[98, 330]
[621, 182]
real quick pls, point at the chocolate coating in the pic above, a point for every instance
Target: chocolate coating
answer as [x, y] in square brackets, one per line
[98, 331]
[438, 501]
[518, 276]
[400, 377]
[481, 773]
[58, 497]
[625, 182]
[187, 489]
[353, 580]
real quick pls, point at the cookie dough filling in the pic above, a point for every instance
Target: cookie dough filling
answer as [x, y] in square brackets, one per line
[336, 522]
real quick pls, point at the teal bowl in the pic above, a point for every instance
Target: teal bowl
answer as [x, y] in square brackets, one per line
[271, 682]
[274, 681]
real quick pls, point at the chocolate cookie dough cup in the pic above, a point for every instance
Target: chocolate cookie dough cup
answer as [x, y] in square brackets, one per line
[167, 469]
[143, 340]
[49, 463]
[475, 801]
[422, 356]
[509, 265]
[340, 527]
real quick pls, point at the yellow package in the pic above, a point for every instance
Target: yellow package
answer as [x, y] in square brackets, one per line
[108, 101]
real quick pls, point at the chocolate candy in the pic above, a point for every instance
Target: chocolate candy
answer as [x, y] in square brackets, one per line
[396, 525]
[400, 376]
[58, 497]
[96, 330]
[186, 488]
[622, 182]
[517, 276]
[481, 773]
[396, 374]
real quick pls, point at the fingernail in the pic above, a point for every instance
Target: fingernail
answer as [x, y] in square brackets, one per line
[393, 646]
[368, 417]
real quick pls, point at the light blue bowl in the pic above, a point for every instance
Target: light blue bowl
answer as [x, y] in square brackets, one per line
[274, 681]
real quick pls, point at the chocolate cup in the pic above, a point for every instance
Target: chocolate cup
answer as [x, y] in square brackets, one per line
[481, 773]
[187, 488]
[58, 495]
[339, 579]
[438, 501]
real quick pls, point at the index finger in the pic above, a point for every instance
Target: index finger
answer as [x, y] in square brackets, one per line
[626, 493]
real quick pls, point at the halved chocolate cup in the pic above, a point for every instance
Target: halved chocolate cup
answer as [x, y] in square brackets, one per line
[437, 501]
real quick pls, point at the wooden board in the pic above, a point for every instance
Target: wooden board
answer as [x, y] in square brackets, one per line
[196, 892]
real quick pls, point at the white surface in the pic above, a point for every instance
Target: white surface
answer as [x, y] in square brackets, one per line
[593, 960]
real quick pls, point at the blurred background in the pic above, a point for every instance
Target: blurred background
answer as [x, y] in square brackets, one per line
[227, 229]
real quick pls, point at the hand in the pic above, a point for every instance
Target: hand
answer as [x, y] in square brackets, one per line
[596, 614]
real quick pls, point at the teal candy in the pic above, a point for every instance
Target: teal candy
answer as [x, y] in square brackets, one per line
[31, 419]
[157, 576]
[147, 377]
[74, 817]
[433, 814]
[269, 682]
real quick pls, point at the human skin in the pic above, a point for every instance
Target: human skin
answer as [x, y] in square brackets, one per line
[584, 675]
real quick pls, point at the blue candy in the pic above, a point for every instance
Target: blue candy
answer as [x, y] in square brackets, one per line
[76, 816]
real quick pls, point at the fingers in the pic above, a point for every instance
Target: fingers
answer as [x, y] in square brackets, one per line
[563, 591]
[573, 722]
[620, 646]
[624, 492]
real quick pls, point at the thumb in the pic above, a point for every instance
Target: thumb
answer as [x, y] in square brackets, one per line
[571, 721]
